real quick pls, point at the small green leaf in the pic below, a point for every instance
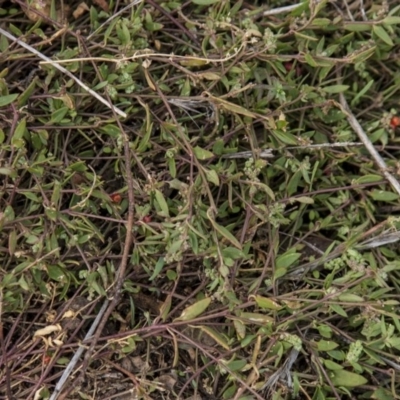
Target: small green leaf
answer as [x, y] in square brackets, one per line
[267, 303]
[162, 203]
[285, 137]
[391, 20]
[157, 269]
[338, 309]
[205, 2]
[240, 328]
[279, 272]
[220, 339]
[12, 242]
[361, 93]
[382, 34]
[303, 200]
[237, 365]
[350, 297]
[224, 232]
[357, 26]
[332, 365]
[19, 131]
[326, 345]
[194, 310]
[6, 171]
[382, 394]
[368, 179]
[256, 317]
[212, 177]
[383, 195]
[335, 89]
[58, 115]
[9, 98]
[202, 154]
[55, 272]
[346, 378]
[287, 259]
[310, 61]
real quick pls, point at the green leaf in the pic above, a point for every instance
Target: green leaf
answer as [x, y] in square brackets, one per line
[382, 34]
[220, 339]
[368, 179]
[335, 89]
[279, 272]
[391, 20]
[303, 200]
[357, 26]
[205, 2]
[9, 98]
[56, 273]
[162, 203]
[326, 345]
[266, 303]
[157, 269]
[346, 378]
[237, 365]
[383, 195]
[202, 154]
[256, 317]
[12, 242]
[19, 131]
[350, 297]
[285, 137]
[212, 177]
[194, 310]
[58, 115]
[361, 93]
[286, 260]
[223, 231]
[332, 365]
[382, 394]
[338, 309]
[394, 342]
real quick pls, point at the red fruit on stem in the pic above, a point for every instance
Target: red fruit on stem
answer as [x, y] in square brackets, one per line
[146, 219]
[395, 122]
[116, 198]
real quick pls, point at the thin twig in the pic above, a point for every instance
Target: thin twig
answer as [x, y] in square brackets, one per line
[55, 64]
[125, 255]
[75, 358]
[367, 143]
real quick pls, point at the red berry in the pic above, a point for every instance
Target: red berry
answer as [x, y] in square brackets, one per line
[288, 66]
[395, 122]
[146, 219]
[116, 198]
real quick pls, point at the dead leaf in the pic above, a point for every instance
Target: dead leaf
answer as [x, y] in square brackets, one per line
[47, 330]
[102, 4]
[80, 10]
[37, 9]
[167, 380]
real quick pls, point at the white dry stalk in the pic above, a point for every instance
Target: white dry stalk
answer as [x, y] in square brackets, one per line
[383, 238]
[283, 373]
[193, 106]
[75, 358]
[281, 10]
[367, 143]
[266, 153]
[55, 64]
